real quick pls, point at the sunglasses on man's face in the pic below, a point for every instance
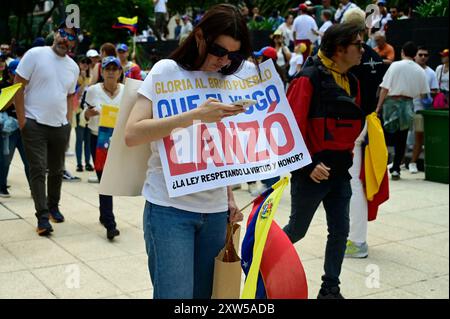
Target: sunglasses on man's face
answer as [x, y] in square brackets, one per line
[220, 52]
[422, 55]
[69, 36]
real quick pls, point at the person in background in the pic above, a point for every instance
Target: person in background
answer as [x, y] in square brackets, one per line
[276, 19]
[344, 5]
[187, 27]
[83, 136]
[130, 69]
[109, 92]
[14, 139]
[160, 15]
[178, 27]
[421, 59]
[442, 73]
[296, 62]
[283, 54]
[44, 107]
[326, 17]
[256, 15]
[287, 29]
[384, 49]
[326, 5]
[107, 49]
[304, 29]
[403, 81]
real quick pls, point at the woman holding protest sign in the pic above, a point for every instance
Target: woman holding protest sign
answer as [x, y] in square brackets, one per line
[184, 234]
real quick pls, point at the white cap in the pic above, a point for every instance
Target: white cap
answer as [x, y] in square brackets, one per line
[92, 53]
[308, 3]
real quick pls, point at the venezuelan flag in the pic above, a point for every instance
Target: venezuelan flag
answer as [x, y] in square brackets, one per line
[127, 23]
[269, 259]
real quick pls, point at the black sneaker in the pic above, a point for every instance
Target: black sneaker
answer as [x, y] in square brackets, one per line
[79, 168]
[69, 177]
[4, 193]
[330, 293]
[111, 233]
[56, 216]
[89, 168]
[43, 227]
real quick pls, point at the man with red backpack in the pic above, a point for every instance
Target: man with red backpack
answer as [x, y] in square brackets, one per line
[325, 99]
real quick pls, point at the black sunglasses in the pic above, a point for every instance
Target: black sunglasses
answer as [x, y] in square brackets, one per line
[423, 55]
[69, 36]
[220, 52]
[358, 44]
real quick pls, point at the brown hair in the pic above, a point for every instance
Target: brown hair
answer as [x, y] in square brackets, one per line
[109, 49]
[222, 19]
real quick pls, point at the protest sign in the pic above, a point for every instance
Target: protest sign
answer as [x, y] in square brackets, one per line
[263, 142]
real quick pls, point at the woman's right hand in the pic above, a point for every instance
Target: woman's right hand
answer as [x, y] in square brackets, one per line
[213, 111]
[90, 112]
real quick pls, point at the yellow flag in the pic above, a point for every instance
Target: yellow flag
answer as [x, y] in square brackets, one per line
[128, 21]
[376, 156]
[263, 223]
[8, 93]
[108, 116]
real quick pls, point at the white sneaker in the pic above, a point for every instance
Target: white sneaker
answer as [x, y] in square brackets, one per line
[395, 176]
[93, 179]
[413, 168]
[70, 153]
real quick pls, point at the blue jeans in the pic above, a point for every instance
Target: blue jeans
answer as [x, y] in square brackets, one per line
[15, 141]
[181, 247]
[83, 135]
[335, 194]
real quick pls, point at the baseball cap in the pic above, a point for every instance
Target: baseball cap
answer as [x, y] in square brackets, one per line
[122, 47]
[92, 53]
[38, 42]
[13, 66]
[303, 7]
[63, 25]
[268, 52]
[444, 53]
[111, 59]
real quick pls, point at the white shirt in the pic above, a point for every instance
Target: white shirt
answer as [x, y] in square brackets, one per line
[51, 79]
[186, 28]
[405, 78]
[324, 28]
[155, 191]
[444, 80]
[288, 33]
[160, 6]
[302, 27]
[340, 11]
[432, 83]
[296, 59]
[281, 61]
[97, 97]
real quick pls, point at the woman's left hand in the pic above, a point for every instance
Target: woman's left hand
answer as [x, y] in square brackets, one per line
[235, 214]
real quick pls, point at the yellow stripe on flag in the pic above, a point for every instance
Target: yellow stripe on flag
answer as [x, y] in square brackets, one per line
[8, 93]
[263, 223]
[129, 21]
[108, 116]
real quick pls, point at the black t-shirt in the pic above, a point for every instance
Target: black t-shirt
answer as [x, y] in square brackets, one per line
[370, 75]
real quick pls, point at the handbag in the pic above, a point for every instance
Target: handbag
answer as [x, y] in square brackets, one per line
[440, 100]
[227, 267]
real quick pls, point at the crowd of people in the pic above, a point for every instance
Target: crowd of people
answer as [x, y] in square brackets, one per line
[334, 69]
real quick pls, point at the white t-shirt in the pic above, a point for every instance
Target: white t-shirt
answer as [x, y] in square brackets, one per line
[444, 79]
[296, 59]
[51, 79]
[186, 28]
[432, 83]
[155, 191]
[288, 33]
[281, 61]
[97, 97]
[160, 6]
[302, 27]
[405, 78]
[324, 28]
[338, 16]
